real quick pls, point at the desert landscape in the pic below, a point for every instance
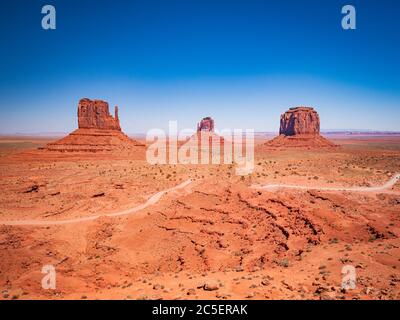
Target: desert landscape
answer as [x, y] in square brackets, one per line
[116, 227]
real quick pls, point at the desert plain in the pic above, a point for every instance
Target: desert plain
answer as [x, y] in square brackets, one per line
[116, 227]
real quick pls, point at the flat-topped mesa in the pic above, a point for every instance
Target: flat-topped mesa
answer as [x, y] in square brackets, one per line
[94, 114]
[206, 124]
[299, 120]
[299, 128]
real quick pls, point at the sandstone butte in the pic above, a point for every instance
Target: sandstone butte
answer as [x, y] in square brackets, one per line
[207, 143]
[205, 131]
[300, 128]
[98, 131]
[206, 124]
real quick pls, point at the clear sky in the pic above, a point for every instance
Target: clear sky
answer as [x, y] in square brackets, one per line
[243, 62]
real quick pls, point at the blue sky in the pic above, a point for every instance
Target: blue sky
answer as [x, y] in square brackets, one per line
[241, 62]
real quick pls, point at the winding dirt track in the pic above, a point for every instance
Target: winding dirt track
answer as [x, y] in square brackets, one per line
[386, 186]
[156, 197]
[151, 201]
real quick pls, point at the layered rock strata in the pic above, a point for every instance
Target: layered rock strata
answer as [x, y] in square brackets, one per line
[98, 131]
[300, 128]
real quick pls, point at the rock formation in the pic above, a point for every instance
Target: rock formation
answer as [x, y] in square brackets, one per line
[206, 124]
[300, 120]
[205, 132]
[94, 114]
[97, 131]
[300, 127]
[206, 142]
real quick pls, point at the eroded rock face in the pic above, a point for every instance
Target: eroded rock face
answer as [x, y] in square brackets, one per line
[300, 128]
[206, 124]
[94, 114]
[299, 120]
[98, 131]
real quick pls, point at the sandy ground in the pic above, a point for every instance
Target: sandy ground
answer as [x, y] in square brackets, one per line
[214, 236]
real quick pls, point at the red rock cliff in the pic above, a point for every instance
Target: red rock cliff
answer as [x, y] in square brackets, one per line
[94, 114]
[299, 120]
[206, 124]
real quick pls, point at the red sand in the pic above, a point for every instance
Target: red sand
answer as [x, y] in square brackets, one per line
[246, 243]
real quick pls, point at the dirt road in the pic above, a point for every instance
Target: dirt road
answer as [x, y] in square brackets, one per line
[151, 201]
[388, 185]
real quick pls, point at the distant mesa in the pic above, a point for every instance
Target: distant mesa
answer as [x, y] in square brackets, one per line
[206, 134]
[206, 124]
[300, 127]
[98, 131]
[205, 141]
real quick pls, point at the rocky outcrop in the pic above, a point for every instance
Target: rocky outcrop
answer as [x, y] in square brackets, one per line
[98, 131]
[94, 114]
[206, 124]
[300, 128]
[206, 137]
[208, 145]
[299, 120]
